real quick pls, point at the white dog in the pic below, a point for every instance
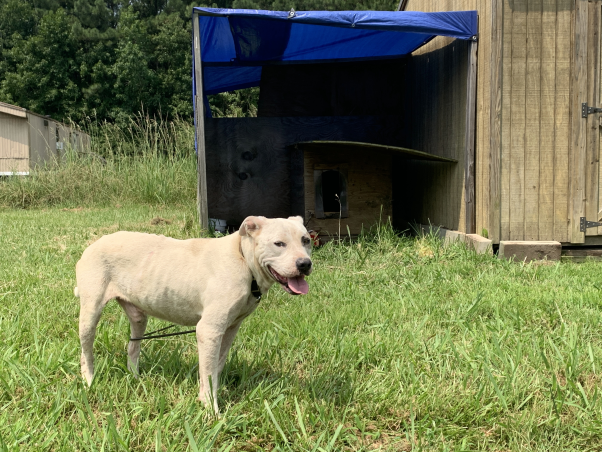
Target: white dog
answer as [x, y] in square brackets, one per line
[201, 282]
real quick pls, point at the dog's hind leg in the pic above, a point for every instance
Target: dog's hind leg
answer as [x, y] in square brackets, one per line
[89, 315]
[138, 322]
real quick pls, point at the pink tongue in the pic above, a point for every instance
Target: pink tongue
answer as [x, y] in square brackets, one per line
[298, 285]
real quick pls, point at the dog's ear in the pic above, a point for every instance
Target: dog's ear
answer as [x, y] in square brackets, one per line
[297, 218]
[251, 225]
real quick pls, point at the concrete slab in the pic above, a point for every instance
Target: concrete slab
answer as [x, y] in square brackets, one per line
[528, 251]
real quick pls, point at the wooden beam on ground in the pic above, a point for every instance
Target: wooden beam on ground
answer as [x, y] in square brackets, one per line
[199, 114]
[469, 174]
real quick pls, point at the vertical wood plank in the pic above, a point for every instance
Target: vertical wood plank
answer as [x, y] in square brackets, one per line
[495, 127]
[592, 205]
[199, 114]
[578, 125]
[469, 140]
[518, 120]
[562, 120]
[547, 115]
[506, 132]
[532, 119]
[482, 154]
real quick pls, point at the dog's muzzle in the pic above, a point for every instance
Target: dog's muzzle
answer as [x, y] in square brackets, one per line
[304, 265]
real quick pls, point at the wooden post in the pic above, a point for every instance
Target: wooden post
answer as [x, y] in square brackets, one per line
[495, 127]
[403, 4]
[469, 139]
[578, 124]
[199, 114]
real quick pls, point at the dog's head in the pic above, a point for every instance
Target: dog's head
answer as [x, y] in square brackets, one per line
[282, 248]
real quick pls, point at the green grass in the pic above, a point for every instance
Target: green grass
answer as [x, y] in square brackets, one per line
[400, 345]
[148, 161]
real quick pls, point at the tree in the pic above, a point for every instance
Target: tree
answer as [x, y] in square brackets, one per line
[46, 76]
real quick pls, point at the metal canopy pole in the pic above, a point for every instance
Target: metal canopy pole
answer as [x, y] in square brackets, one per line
[199, 114]
[469, 138]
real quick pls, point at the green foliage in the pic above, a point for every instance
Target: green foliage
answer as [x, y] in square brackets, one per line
[46, 75]
[235, 104]
[95, 58]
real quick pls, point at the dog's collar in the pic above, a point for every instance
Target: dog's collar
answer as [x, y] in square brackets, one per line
[255, 290]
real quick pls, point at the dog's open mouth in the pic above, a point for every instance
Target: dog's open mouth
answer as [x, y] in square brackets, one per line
[294, 286]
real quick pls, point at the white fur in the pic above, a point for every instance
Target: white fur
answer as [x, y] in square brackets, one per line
[200, 282]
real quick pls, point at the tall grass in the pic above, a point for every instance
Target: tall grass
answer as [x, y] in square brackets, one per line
[148, 160]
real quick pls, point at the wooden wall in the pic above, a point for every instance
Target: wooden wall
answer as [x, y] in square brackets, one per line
[536, 82]
[444, 121]
[368, 187]
[530, 105]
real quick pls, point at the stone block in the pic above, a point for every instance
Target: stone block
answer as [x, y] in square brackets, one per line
[446, 235]
[479, 244]
[528, 251]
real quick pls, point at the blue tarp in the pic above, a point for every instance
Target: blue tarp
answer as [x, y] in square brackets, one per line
[236, 43]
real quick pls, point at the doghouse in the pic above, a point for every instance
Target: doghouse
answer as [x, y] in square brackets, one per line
[537, 119]
[334, 139]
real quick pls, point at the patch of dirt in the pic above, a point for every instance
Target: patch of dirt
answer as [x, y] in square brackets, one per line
[77, 209]
[158, 221]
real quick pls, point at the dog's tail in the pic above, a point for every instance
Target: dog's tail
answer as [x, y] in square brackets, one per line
[76, 292]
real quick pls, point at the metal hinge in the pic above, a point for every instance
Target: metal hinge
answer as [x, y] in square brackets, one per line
[585, 110]
[584, 224]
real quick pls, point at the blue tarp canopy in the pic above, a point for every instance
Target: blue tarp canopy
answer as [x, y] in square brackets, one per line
[236, 43]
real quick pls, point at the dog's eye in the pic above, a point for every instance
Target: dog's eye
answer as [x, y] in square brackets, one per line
[280, 244]
[305, 240]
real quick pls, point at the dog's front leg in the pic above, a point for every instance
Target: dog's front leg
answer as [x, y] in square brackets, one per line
[227, 340]
[209, 340]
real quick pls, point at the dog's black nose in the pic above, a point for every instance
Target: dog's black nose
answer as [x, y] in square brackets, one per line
[304, 265]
